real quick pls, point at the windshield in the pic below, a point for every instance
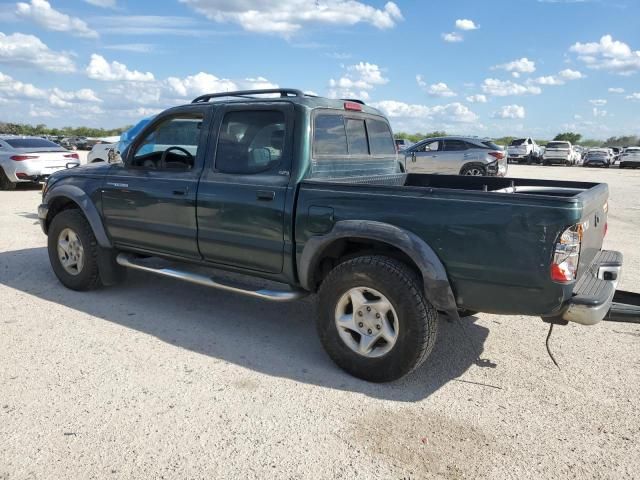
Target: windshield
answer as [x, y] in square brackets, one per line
[32, 143]
[518, 142]
[557, 145]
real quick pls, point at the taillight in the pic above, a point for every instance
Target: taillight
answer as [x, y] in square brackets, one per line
[20, 158]
[566, 255]
[355, 106]
[497, 155]
[72, 155]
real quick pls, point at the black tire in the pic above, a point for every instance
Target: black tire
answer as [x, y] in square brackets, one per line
[462, 313]
[5, 183]
[417, 318]
[97, 160]
[88, 278]
[468, 168]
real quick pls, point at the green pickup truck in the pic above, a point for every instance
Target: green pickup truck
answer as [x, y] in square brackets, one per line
[305, 192]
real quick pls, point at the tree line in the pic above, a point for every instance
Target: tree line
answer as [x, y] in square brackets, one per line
[573, 137]
[42, 129]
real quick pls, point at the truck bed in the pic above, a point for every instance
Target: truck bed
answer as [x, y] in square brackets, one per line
[488, 232]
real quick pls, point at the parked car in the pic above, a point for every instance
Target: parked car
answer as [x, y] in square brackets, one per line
[30, 159]
[557, 152]
[100, 152]
[233, 183]
[524, 150]
[456, 156]
[617, 151]
[630, 158]
[598, 157]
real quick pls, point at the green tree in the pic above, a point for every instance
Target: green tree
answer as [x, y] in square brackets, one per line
[568, 137]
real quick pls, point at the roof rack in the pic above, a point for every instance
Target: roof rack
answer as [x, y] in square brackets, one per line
[284, 92]
[356, 100]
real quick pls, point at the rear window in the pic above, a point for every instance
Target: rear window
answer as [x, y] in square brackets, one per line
[518, 142]
[491, 145]
[351, 145]
[31, 143]
[557, 145]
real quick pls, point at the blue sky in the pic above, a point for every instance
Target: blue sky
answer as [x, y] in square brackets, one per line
[496, 67]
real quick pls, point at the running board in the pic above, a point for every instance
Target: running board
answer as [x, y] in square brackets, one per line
[625, 308]
[129, 261]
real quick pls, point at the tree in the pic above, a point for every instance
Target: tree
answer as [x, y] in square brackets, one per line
[572, 137]
[416, 137]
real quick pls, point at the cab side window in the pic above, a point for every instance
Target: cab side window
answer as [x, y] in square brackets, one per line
[170, 145]
[454, 145]
[250, 142]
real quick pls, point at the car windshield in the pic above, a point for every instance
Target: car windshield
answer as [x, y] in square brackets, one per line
[31, 143]
[557, 145]
[518, 142]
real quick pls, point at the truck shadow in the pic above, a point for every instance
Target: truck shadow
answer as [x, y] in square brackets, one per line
[277, 339]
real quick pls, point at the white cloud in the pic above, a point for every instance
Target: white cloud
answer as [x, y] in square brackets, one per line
[131, 47]
[598, 102]
[21, 49]
[41, 12]
[286, 17]
[510, 111]
[521, 65]
[479, 98]
[257, 83]
[420, 81]
[102, 3]
[11, 88]
[61, 98]
[452, 37]
[569, 74]
[200, 83]
[547, 80]
[37, 112]
[100, 69]
[465, 24]
[599, 113]
[357, 82]
[608, 54]
[503, 88]
[633, 96]
[450, 113]
[440, 89]
[616, 90]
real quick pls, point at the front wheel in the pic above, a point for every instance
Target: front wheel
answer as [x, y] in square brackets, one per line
[374, 320]
[73, 251]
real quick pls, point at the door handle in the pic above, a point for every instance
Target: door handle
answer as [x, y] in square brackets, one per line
[266, 195]
[413, 156]
[181, 192]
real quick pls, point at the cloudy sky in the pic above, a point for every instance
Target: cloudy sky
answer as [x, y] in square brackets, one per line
[492, 67]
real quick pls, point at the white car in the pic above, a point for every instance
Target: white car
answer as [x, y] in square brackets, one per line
[99, 152]
[559, 152]
[524, 150]
[30, 160]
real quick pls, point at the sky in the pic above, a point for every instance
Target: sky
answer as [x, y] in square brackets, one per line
[489, 68]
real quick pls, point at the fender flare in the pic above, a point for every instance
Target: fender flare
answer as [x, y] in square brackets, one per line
[437, 288]
[88, 208]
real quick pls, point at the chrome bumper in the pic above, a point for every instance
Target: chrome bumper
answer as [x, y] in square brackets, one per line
[593, 293]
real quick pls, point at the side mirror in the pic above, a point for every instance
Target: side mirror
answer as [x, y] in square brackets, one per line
[113, 156]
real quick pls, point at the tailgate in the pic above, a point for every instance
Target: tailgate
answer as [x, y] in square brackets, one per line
[594, 224]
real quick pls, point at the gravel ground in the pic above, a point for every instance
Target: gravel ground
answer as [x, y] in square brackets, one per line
[161, 379]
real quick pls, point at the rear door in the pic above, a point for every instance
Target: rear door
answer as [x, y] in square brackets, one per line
[455, 154]
[242, 193]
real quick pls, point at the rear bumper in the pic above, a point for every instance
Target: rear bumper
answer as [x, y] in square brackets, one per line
[594, 292]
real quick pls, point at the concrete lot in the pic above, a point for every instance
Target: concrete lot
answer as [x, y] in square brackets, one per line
[161, 379]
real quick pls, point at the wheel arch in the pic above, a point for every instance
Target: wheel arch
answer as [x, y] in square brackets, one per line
[351, 238]
[66, 197]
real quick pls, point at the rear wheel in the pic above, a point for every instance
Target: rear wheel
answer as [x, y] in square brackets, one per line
[474, 171]
[374, 320]
[5, 183]
[73, 251]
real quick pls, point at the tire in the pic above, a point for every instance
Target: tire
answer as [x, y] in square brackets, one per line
[5, 183]
[97, 160]
[466, 313]
[87, 277]
[474, 170]
[415, 318]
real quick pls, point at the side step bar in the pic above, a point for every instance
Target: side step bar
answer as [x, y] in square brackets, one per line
[625, 308]
[129, 261]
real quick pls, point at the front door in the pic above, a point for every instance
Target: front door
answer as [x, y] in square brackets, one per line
[149, 200]
[242, 197]
[424, 157]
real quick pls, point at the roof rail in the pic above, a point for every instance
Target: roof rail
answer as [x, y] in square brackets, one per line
[284, 92]
[356, 100]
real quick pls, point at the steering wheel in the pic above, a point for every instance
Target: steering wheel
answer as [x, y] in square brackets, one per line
[163, 161]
